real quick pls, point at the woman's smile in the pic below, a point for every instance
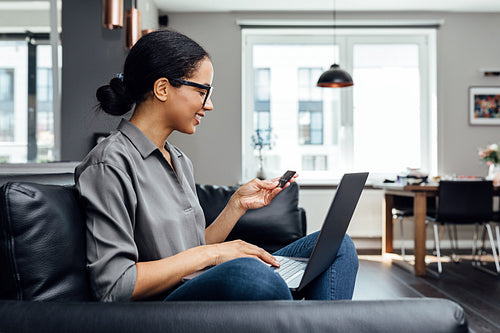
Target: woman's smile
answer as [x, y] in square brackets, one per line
[198, 117]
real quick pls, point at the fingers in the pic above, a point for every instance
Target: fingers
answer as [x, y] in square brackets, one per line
[240, 249]
[291, 181]
[257, 252]
[276, 181]
[268, 183]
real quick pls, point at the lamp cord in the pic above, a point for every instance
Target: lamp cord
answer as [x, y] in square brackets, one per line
[334, 30]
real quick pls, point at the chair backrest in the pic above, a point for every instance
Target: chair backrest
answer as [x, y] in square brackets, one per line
[401, 202]
[403, 206]
[42, 243]
[465, 201]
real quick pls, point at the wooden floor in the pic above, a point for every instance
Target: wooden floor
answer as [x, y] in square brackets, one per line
[476, 291]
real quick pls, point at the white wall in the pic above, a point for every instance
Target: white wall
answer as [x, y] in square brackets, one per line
[36, 20]
[367, 219]
[149, 14]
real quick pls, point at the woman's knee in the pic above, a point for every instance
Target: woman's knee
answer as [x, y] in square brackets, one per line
[348, 250]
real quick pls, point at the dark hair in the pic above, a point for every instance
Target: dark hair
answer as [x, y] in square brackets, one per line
[163, 53]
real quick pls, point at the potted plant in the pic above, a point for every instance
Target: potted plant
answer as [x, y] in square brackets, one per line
[260, 141]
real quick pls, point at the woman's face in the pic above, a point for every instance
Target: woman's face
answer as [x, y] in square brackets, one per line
[185, 103]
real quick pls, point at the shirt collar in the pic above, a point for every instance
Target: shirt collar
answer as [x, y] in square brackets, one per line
[173, 149]
[141, 142]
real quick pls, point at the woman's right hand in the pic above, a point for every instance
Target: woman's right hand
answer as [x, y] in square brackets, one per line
[226, 251]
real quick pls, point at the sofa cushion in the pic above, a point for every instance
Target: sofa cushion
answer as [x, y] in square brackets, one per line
[270, 227]
[42, 243]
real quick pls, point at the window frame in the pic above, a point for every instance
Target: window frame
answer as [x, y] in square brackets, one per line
[427, 54]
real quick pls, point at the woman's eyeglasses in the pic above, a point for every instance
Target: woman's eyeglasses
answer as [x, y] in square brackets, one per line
[209, 89]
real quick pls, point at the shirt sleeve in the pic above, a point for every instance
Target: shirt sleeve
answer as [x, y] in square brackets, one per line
[111, 250]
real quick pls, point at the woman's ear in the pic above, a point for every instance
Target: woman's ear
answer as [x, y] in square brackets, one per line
[160, 89]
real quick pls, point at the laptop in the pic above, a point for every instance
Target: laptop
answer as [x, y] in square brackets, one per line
[298, 272]
[330, 237]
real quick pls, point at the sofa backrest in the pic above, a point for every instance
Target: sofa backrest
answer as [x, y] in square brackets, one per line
[42, 243]
[271, 227]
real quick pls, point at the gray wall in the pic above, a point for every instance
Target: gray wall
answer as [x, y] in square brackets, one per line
[465, 43]
[91, 56]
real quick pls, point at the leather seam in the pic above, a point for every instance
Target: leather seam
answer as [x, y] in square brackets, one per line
[11, 244]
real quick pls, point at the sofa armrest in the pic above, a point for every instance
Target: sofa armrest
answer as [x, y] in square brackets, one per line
[401, 315]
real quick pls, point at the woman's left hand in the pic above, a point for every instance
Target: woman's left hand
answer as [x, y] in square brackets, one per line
[258, 193]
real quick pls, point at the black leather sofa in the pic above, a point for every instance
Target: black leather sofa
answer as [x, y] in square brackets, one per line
[44, 287]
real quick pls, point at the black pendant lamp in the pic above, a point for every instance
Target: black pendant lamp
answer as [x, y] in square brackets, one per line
[335, 77]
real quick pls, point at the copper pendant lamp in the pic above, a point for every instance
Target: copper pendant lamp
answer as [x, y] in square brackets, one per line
[335, 77]
[112, 14]
[147, 31]
[132, 26]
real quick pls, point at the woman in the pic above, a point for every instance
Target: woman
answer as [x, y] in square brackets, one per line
[145, 226]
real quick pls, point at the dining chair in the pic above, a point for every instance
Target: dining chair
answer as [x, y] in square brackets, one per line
[465, 202]
[403, 208]
[496, 224]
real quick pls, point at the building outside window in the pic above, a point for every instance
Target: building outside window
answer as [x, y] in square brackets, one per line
[6, 105]
[314, 162]
[45, 113]
[30, 76]
[21, 68]
[384, 124]
[262, 103]
[310, 107]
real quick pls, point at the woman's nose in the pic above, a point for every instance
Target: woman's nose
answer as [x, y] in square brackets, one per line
[208, 105]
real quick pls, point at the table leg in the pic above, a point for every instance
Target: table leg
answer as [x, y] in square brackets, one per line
[388, 234]
[420, 208]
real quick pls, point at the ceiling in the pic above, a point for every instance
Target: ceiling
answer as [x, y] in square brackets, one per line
[167, 6]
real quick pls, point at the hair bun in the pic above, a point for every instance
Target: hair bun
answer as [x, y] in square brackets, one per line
[113, 98]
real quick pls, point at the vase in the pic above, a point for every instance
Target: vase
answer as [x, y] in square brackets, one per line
[260, 173]
[494, 173]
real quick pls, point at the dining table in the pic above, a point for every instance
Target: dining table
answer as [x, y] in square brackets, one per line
[419, 193]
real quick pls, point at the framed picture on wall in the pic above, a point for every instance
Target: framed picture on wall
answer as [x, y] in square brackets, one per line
[484, 105]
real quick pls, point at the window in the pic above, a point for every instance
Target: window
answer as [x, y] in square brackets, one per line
[45, 113]
[262, 103]
[30, 72]
[384, 124]
[27, 131]
[310, 107]
[314, 162]
[6, 104]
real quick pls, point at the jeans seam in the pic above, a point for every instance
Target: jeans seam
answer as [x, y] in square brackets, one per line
[332, 282]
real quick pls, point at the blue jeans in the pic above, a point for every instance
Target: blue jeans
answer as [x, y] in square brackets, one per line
[250, 279]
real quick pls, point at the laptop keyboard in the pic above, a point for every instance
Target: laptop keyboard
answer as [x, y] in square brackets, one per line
[289, 267]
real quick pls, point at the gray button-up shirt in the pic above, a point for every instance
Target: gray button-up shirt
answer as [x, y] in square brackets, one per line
[138, 208]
